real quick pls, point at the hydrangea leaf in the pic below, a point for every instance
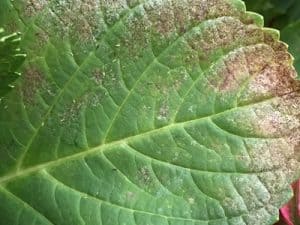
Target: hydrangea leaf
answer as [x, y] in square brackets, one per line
[157, 112]
[11, 59]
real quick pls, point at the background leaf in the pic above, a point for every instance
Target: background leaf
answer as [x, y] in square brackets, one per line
[291, 34]
[11, 59]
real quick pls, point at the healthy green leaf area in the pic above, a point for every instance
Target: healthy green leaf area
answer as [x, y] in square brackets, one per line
[154, 112]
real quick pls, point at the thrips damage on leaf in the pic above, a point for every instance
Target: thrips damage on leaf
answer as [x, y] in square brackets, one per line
[157, 112]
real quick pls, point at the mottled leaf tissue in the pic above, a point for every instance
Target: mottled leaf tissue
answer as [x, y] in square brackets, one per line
[146, 112]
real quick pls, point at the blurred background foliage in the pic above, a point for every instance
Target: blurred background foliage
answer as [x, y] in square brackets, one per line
[285, 16]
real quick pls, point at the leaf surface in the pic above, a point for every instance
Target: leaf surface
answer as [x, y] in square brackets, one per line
[147, 112]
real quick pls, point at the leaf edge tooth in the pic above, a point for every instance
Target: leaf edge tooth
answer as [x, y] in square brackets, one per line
[239, 4]
[274, 33]
[256, 18]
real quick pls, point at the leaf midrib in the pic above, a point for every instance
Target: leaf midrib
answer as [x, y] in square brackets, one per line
[102, 147]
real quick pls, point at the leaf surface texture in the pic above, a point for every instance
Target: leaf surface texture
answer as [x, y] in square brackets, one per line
[147, 112]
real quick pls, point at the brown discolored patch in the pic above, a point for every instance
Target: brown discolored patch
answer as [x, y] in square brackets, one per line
[191, 12]
[113, 10]
[79, 20]
[253, 32]
[161, 16]
[181, 15]
[103, 76]
[41, 38]
[277, 79]
[88, 6]
[133, 40]
[240, 65]
[91, 99]
[33, 7]
[198, 10]
[90, 22]
[271, 37]
[72, 112]
[166, 19]
[172, 16]
[235, 71]
[258, 58]
[222, 36]
[221, 8]
[282, 80]
[84, 29]
[98, 75]
[33, 81]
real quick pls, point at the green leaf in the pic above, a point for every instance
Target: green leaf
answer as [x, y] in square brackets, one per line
[11, 59]
[272, 10]
[277, 13]
[155, 112]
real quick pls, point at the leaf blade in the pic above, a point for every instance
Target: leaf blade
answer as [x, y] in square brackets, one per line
[143, 119]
